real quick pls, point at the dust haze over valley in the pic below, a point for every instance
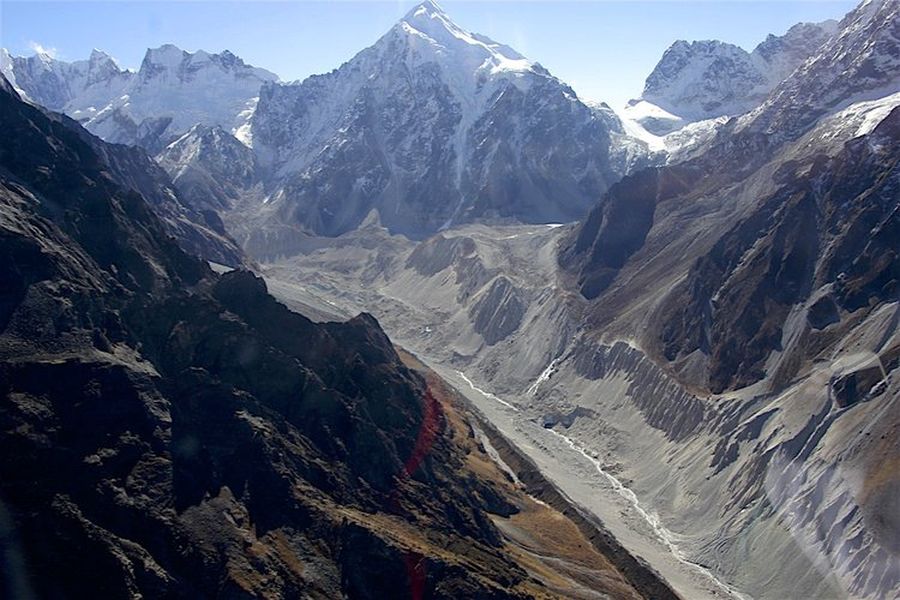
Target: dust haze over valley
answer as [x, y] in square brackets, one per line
[430, 325]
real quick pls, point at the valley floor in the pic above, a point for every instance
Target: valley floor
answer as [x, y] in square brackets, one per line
[690, 484]
[324, 293]
[584, 481]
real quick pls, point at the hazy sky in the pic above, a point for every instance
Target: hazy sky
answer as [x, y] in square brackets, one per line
[604, 49]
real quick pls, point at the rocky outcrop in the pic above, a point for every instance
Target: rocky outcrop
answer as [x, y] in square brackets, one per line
[617, 227]
[764, 292]
[499, 311]
[211, 169]
[829, 226]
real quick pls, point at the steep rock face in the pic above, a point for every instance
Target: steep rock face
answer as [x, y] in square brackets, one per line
[617, 228]
[766, 286]
[739, 328]
[828, 227]
[210, 168]
[198, 229]
[699, 80]
[819, 242]
[202, 233]
[432, 125]
[706, 79]
[800, 196]
[783, 54]
[193, 436]
[860, 62]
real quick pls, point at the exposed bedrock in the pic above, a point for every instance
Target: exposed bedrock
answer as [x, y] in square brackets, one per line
[618, 226]
[663, 403]
[498, 312]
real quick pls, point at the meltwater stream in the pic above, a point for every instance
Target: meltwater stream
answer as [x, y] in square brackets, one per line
[665, 536]
[486, 394]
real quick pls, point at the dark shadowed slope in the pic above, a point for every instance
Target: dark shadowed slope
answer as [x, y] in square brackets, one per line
[813, 191]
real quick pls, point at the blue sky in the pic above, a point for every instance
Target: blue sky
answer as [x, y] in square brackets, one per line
[604, 49]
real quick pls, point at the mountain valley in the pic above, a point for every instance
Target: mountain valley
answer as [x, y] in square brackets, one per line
[455, 326]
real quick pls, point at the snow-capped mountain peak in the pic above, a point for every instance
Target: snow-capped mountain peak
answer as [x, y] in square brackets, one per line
[167, 56]
[64, 86]
[430, 126]
[707, 79]
[429, 18]
[7, 69]
[101, 67]
[171, 61]
[429, 22]
[700, 79]
[172, 91]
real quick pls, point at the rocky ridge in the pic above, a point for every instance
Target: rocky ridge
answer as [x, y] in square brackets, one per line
[700, 80]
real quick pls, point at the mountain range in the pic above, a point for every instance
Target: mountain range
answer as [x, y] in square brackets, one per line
[172, 91]
[178, 433]
[675, 325]
[430, 126]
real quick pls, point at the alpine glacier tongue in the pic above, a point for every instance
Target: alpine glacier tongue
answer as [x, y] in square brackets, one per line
[430, 126]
